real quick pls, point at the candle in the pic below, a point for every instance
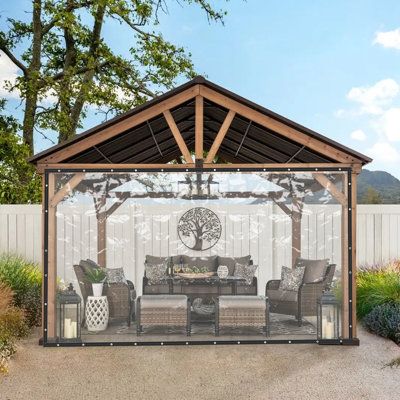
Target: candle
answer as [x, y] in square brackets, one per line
[73, 330]
[67, 328]
[329, 330]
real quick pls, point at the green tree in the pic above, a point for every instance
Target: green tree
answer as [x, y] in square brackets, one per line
[19, 182]
[68, 66]
[371, 196]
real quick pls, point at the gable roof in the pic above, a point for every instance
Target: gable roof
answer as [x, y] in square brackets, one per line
[149, 140]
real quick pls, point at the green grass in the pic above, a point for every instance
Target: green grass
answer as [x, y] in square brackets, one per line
[377, 286]
[25, 280]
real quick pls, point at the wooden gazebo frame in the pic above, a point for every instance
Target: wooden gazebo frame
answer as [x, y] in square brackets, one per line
[225, 132]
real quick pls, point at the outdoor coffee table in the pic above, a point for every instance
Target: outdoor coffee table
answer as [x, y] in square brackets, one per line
[212, 281]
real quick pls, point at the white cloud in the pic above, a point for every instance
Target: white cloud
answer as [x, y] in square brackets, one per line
[384, 152]
[389, 39]
[389, 124]
[8, 72]
[358, 135]
[373, 99]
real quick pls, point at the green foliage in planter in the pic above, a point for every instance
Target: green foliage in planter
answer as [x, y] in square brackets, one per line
[384, 320]
[96, 275]
[25, 279]
[377, 286]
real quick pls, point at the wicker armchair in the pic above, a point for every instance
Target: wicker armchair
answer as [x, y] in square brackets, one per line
[120, 296]
[301, 303]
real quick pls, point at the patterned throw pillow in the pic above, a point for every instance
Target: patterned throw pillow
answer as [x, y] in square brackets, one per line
[291, 278]
[115, 275]
[156, 273]
[245, 271]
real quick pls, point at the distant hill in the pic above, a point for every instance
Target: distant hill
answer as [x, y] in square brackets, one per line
[384, 183]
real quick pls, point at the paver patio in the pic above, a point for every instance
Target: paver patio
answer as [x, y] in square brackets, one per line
[205, 372]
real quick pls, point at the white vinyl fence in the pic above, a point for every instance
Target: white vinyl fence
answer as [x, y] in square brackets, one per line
[263, 232]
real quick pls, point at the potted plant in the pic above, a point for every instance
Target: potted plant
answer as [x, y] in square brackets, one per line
[97, 276]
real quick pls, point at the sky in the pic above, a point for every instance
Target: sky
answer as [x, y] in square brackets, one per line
[333, 66]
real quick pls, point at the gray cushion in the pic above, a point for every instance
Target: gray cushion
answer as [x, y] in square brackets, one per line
[115, 275]
[315, 270]
[155, 260]
[282, 295]
[156, 273]
[291, 278]
[88, 266]
[210, 263]
[247, 302]
[231, 261]
[245, 271]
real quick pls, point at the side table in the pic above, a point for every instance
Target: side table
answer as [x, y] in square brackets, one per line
[96, 313]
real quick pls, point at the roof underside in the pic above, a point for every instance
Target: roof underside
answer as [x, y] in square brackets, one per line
[152, 142]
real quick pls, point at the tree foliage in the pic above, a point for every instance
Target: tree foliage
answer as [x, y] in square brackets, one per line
[19, 182]
[371, 196]
[68, 66]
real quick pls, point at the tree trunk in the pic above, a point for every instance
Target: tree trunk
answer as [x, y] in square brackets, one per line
[65, 92]
[33, 76]
[87, 79]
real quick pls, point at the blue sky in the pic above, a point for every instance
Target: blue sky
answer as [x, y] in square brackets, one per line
[331, 66]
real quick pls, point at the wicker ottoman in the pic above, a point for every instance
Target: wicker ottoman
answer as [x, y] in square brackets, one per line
[163, 311]
[241, 312]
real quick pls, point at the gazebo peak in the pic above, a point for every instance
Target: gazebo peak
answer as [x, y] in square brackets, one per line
[202, 119]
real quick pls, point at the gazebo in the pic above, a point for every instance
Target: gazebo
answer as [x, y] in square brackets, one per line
[130, 194]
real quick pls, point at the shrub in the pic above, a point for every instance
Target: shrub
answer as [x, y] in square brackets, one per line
[377, 286]
[24, 278]
[12, 326]
[384, 320]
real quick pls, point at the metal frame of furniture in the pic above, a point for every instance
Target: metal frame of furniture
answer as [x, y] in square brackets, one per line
[239, 317]
[162, 316]
[307, 296]
[121, 296]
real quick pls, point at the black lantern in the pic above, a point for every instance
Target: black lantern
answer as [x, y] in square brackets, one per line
[328, 314]
[69, 315]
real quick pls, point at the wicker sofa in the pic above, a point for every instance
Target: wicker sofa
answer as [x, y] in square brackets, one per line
[201, 289]
[120, 296]
[299, 303]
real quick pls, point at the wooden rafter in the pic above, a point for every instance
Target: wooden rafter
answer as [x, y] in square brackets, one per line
[178, 137]
[276, 126]
[290, 167]
[220, 136]
[123, 125]
[66, 189]
[199, 127]
[326, 183]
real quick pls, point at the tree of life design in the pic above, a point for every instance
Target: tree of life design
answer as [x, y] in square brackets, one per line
[199, 229]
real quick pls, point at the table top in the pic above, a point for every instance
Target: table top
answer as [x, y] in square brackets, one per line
[210, 279]
[97, 297]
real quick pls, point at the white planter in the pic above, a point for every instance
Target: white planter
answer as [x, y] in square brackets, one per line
[97, 289]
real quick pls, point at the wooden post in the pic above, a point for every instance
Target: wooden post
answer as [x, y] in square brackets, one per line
[345, 264]
[51, 262]
[297, 212]
[354, 176]
[199, 116]
[101, 232]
